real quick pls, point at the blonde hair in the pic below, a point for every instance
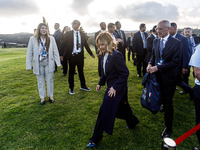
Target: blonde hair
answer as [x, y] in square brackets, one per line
[47, 35]
[108, 40]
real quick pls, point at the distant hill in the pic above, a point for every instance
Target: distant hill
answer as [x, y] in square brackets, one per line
[18, 38]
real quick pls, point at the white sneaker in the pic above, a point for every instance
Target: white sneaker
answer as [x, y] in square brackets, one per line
[71, 91]
[85, 88]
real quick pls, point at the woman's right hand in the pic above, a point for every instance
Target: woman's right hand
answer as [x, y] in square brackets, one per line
[98, 88]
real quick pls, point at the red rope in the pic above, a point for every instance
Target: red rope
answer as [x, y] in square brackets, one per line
[187, 134]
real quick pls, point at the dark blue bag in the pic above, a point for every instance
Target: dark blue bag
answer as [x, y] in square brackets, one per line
[150, 98]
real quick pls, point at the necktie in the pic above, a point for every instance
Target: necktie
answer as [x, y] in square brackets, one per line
[77, 41]
[144, 40]
[161, 46]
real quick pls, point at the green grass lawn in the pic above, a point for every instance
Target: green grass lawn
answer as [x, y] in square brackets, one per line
[68, 123]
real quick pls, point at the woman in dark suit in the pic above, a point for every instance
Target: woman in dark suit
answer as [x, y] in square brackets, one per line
[115, 102]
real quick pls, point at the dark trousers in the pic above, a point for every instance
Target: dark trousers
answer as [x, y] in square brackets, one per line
[197, 107]
[141, 63]
[99, 65]
[124, 112]
[166, 95]
[183, 84]
[129, 53]
[74, 61]
[65, 66]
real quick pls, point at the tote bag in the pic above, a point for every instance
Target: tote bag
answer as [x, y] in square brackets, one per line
[150, 98]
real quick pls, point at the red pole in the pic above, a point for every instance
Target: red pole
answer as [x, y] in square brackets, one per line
[187, 134]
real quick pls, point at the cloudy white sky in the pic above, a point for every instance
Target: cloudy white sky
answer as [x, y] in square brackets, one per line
[24, 15]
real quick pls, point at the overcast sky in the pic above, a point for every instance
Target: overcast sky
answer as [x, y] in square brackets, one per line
[24, 15]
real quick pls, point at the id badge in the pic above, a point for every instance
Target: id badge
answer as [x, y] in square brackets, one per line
[161, 61]
[44, 53]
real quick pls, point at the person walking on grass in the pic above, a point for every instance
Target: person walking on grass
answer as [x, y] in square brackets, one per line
[115, 101]
[43, 51]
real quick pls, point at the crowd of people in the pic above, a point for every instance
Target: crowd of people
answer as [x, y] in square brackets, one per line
[165, 52]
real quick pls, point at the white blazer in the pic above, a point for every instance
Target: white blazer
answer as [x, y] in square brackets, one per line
[33, 55]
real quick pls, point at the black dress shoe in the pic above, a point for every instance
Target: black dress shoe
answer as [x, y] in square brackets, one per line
[51, 100]
[139, 76]
[166, 133]
[195, 148]
[42, 102]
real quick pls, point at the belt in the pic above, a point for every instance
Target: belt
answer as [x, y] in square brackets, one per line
[74, 54]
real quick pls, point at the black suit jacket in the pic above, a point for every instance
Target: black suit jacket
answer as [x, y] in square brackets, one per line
[68, 45]
[129, 42]
[120, 47]
[149, 47]
[138, 44]
[167, 72]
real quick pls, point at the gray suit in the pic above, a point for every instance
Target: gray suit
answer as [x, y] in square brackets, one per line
[45, 68]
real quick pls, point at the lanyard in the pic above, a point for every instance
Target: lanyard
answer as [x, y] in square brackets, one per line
[43, 45]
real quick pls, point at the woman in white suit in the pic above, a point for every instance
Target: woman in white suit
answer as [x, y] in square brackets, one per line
[42, 51]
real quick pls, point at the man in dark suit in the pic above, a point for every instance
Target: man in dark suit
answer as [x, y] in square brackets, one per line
[130, 46]
[103, 28]
[72, 48]
[140, 48]
[121, 35]
[184, 67]
[149, 40]
[165, 62]
[57, 36]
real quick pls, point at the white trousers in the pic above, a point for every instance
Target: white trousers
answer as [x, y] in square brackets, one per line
[44, 72]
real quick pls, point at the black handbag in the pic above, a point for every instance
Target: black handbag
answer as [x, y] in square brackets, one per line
[150, 98]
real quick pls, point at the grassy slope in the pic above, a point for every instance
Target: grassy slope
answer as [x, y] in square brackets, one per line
[69, 122]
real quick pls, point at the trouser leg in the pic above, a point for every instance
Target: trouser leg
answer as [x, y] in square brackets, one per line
[49, 79]
[41, 82]
[98, 130]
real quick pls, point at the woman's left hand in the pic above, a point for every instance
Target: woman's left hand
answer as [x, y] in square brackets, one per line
[112, 92]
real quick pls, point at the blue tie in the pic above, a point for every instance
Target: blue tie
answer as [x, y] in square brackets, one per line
[144, 40]
[161, 46]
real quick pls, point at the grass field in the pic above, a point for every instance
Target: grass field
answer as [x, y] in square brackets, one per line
[68, 123]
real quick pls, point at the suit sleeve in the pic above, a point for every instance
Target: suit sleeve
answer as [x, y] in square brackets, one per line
[175, 61]
[122, 70]
[55, 52]
[185, 53]
[86, 46]
[29, 57]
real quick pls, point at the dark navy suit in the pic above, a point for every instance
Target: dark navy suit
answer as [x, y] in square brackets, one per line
[116, 75]
[167, 74]
[186, 54]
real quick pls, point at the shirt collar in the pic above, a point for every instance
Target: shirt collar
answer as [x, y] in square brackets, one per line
[165, 38]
